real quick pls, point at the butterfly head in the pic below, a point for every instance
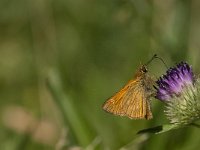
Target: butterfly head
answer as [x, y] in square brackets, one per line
[143, 69]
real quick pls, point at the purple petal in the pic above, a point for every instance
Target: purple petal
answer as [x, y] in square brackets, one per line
[174, 81]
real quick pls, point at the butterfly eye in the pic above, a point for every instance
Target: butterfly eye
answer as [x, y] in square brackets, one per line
[144, 69]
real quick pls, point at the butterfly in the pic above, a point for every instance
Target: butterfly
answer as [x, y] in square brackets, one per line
[133, 100]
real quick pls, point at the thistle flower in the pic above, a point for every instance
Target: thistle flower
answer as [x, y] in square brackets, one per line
[180, 90]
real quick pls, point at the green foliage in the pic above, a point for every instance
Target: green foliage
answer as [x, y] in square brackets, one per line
[93, 48]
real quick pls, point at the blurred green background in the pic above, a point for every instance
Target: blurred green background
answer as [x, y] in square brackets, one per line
[61, 59]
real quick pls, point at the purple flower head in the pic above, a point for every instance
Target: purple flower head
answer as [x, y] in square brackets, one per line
[174, 81]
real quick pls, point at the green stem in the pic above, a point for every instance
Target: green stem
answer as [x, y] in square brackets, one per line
[195, 125]
[69, 113]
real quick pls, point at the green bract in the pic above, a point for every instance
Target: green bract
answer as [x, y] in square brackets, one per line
[184, 109]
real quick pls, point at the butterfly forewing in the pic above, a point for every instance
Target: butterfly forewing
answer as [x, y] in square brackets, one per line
[130, 101]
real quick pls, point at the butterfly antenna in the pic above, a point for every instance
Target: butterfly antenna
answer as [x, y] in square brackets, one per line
[161, 60]
[156, 56]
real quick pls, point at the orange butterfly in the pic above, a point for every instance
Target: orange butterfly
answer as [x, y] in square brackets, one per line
[133, 100]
